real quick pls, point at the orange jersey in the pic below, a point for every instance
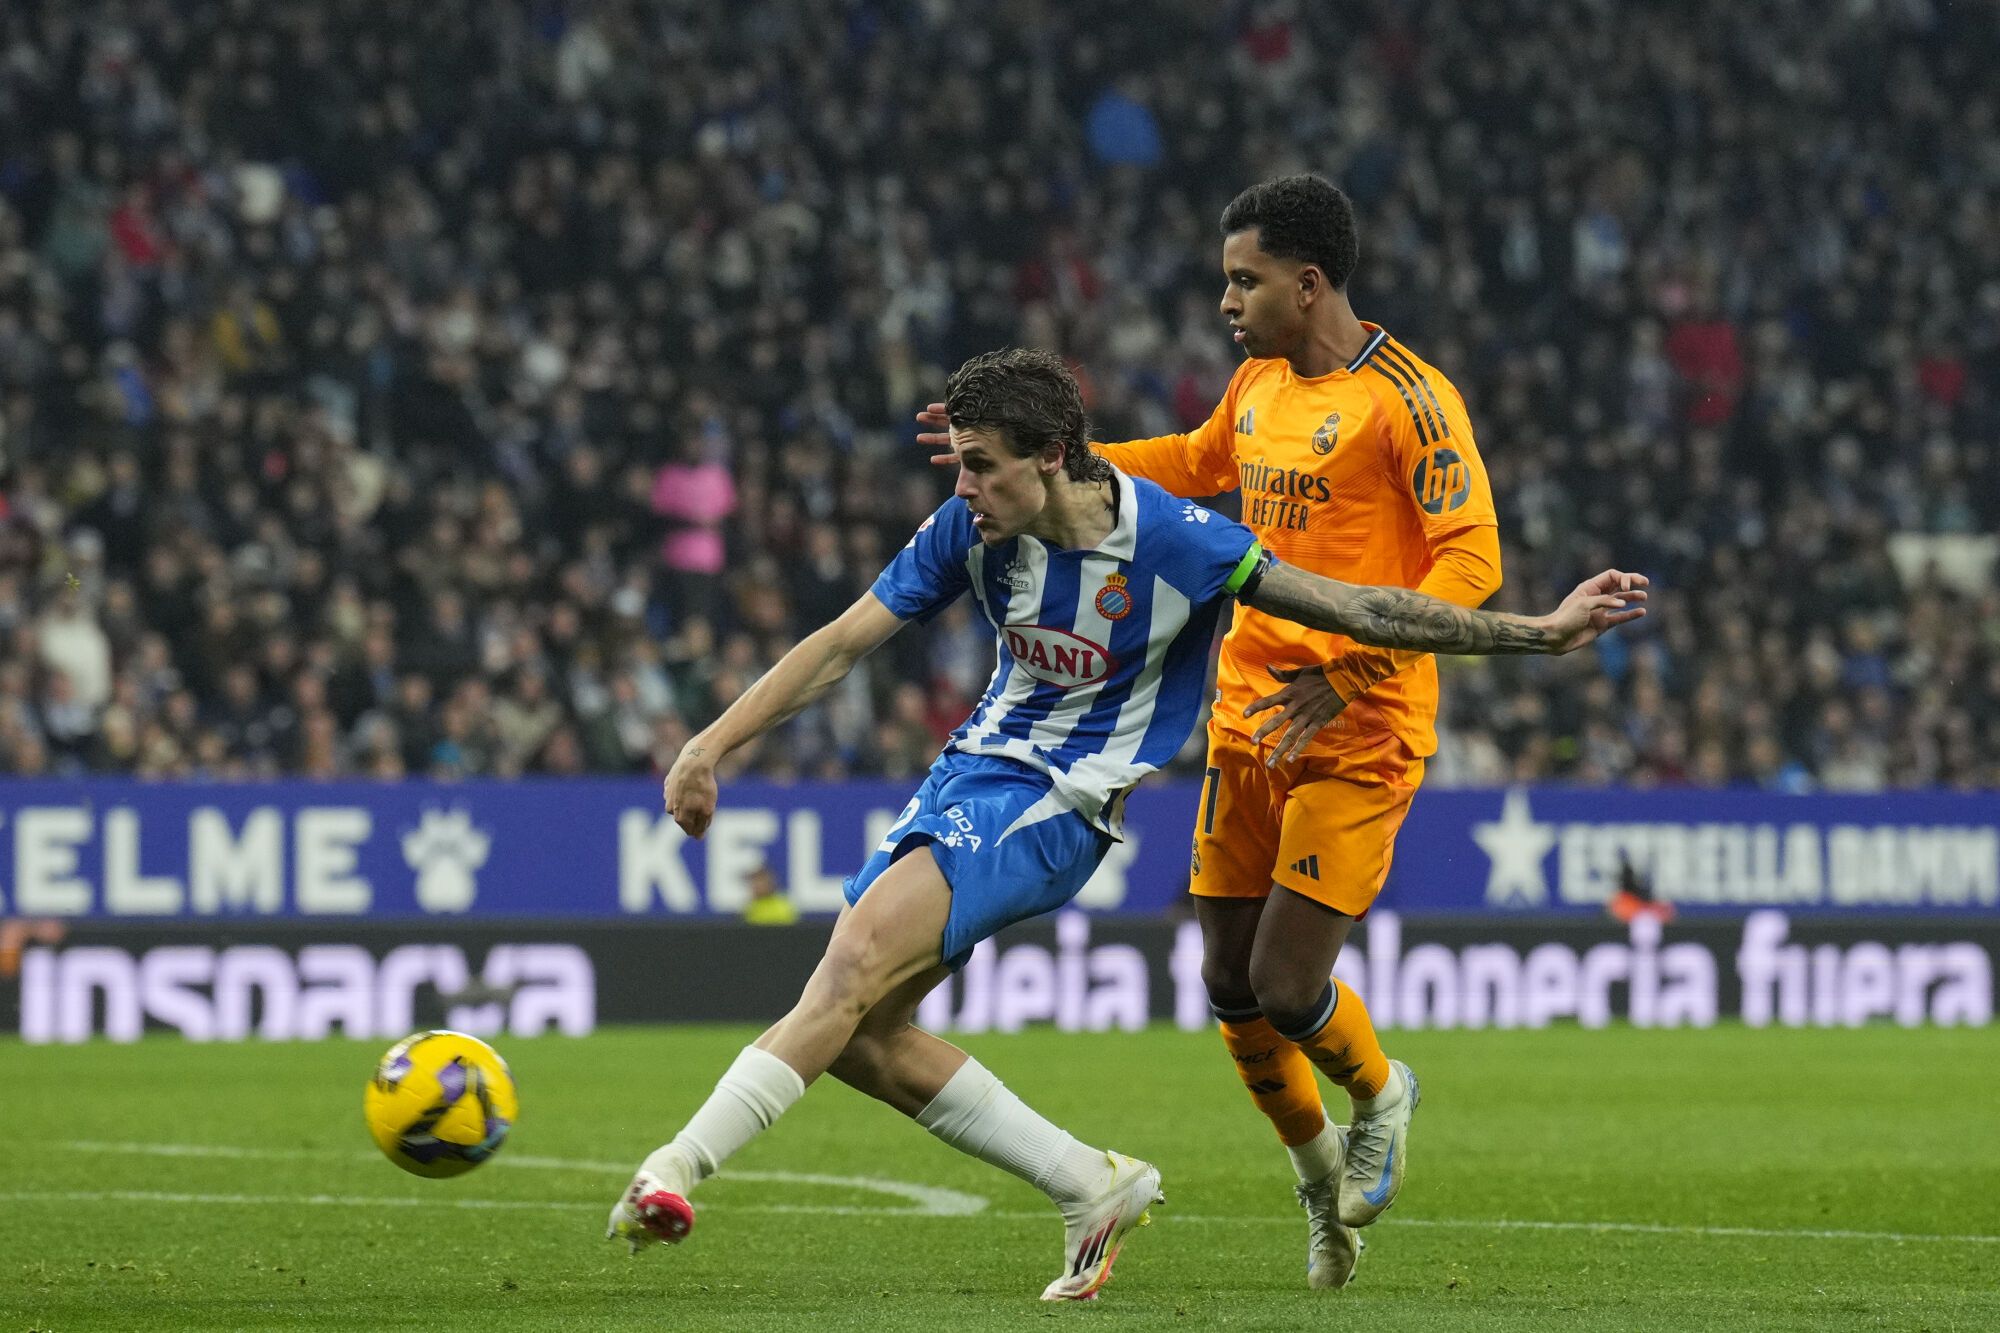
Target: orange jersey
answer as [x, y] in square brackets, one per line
[1368, 474]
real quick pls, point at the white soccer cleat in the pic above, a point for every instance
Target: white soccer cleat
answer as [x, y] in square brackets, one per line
[1376, 1148]
[1332, 1247]
[651, 1211]
[1094, 1232]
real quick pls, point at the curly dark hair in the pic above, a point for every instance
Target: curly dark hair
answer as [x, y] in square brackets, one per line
[1032, 400]
[1306, 218]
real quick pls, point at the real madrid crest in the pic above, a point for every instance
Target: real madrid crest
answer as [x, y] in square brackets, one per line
[1328, 434]
[1113, 602]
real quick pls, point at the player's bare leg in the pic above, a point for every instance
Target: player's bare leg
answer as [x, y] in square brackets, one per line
[894, 1061]
[1281, 1083]
[1297, 942]
[855, 1019]
[890, 937]
[879, 945]
[1102, 1195]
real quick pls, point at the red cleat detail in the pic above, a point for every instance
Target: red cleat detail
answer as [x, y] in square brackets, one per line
[666, 1215]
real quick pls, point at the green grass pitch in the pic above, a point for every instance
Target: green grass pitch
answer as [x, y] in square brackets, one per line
[1561, 1179]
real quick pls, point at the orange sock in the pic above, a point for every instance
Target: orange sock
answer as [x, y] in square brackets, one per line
[1279, 1077]
[1342, 1042]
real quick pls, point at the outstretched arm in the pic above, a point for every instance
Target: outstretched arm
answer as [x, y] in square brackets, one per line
[1403, 618]
[802, 675]
[1465, 572]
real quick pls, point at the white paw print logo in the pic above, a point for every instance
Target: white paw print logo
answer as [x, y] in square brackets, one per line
[962, 836]
[446, 850]
[1193, 514]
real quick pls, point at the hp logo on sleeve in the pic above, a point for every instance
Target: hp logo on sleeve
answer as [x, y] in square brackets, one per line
[1441, 481]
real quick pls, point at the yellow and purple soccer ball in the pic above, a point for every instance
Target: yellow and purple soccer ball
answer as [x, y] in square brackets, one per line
[440, 1103]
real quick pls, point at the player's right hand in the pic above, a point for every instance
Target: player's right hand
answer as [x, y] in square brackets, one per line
[1595, 607]
[937, 434]
[690, 788]
[1306, 703]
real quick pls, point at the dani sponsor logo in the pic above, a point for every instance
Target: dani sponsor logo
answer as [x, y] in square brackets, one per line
[1058, 657]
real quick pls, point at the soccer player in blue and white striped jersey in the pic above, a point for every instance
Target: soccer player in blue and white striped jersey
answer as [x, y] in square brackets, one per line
[1103, 593]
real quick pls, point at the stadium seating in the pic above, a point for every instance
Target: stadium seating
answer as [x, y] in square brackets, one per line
[445, 388]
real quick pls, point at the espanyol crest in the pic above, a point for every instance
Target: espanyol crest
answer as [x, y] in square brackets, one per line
[1114, 602]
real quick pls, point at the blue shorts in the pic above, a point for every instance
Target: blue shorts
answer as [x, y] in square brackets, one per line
[1006, 844]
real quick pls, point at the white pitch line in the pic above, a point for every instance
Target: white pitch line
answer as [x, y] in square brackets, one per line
[1638, 1228]
[513, 1160]
[293, 1154]
[928, 1201]
[1662, 1229]
[192, 1149]
[836, 1210]
[396, 1201]
[925, 1200]
[313, 1200]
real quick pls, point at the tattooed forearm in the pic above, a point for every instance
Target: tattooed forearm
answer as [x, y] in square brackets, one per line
[1395, 617]
[1401, 618]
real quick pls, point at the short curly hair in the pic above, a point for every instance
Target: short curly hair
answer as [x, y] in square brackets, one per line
[1305, 218]
[1032, 400]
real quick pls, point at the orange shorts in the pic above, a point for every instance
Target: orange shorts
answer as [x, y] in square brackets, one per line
[1324, 826]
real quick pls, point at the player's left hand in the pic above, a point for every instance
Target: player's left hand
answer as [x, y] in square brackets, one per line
[1596, 606]
[1306, 702]
[937, 434]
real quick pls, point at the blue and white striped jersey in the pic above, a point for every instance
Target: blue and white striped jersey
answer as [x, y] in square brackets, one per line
[1103, 653]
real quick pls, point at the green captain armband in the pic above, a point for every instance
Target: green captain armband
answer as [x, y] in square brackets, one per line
[1249, 571]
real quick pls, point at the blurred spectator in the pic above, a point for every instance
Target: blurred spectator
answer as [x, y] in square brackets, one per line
[768, 905]
[467, 390]
[75, 647]
[695, 494]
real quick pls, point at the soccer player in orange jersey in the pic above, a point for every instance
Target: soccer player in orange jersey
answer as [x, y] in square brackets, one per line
[1356, 461]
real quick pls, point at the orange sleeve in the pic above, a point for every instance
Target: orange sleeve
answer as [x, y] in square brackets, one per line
[1201, 462]
[1435, 459]
[1442, 477]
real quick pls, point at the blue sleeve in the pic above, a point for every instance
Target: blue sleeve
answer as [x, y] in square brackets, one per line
[929, 573]
[1212, 556]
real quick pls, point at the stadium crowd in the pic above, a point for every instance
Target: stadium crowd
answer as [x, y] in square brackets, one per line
[436, 388]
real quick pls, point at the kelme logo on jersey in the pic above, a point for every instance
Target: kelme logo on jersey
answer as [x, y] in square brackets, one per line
[1328, 435]
[1113, 602]
[1058, 657]
[1441, 481]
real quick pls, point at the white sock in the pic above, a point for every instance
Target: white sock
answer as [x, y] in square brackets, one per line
[1392, 1092]
[976, 1113]
[748, 1099]
[1319, 1156]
